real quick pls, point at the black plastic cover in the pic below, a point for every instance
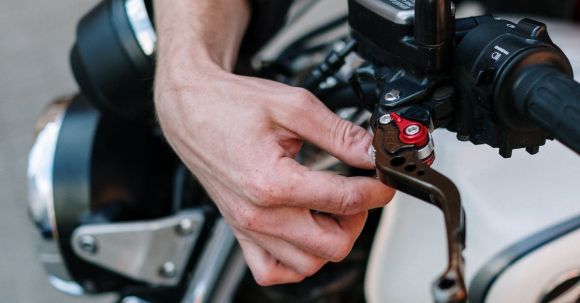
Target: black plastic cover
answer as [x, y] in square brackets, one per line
[109, 65]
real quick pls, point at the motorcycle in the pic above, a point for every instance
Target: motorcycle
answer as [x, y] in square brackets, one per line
[118, 212]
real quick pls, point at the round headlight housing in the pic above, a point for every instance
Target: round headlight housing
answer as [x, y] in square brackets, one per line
[41, 195]
[88, 168]
[40, 168]
[113, 57]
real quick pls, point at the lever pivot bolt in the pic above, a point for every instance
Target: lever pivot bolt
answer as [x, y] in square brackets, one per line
[385, 119]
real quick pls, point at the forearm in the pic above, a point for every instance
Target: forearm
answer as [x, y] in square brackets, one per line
[200, 33]
[239, 137]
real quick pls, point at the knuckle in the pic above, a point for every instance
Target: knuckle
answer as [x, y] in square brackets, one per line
[302, 100]
[347, 134]
[302, 95]
[269, 277]
[248, 218]
[350, 202]
[264, 277]
[265, 192]
[340, 251]
[313, 268]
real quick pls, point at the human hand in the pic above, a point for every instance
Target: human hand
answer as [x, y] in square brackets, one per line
[239, 136]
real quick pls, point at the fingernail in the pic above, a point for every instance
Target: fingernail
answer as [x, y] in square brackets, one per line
[372, 152]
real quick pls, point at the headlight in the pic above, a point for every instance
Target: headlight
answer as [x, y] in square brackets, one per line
[41, 195]
[97, 176]
[40, 165]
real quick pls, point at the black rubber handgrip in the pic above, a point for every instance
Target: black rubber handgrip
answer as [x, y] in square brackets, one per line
[551, 99]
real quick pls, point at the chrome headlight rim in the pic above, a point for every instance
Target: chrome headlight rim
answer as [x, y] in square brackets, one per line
[40, 174]
[41, 167]
[140, 23]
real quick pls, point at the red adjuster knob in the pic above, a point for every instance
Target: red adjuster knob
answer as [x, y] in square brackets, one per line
[411, 132]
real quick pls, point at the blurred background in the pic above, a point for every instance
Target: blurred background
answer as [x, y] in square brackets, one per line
[35, 41]
[36, 37]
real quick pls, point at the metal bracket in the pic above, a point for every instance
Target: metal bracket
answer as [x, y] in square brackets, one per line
[154, 252]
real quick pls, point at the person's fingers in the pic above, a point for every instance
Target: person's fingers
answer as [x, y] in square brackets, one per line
[328, 237]
[353, 224]
[320, 126]
[291, 184]
[266, 269]
[294, 258]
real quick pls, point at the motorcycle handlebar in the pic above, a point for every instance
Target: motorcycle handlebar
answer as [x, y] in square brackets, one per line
[551, 99]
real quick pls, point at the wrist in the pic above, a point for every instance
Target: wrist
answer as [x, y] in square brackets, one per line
[200, 34]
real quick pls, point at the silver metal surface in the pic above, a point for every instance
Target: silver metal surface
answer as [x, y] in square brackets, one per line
[230, 280]
[402, 15]
[393, 95]
[58, 275]
[142, 251]
[426, 151]
[385, 119]
[41, 199]
[412, 130]
[209, 269]
[398, 11]
[168, 270]
[133, 300]
[40, 169]
[141, 25]
[185, 227]
[88, 244]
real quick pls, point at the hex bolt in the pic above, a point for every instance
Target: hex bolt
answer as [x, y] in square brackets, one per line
[385, 119]
[393, 95]
[88, 244]
[412, 130]
[168, 270]
[185, 227]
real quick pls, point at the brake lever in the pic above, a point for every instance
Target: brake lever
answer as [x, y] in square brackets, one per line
[403, 153]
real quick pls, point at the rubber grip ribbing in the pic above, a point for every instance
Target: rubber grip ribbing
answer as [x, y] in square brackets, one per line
[551, 99]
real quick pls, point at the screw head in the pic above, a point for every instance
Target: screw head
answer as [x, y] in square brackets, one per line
[393, 95]
[185, 227]
[168, 270]
[412, 130]
[88, 244]
[385, 119]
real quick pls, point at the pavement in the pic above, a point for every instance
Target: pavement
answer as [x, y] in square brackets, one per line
[35, 40]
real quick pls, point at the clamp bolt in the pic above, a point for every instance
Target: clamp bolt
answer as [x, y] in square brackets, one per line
[393, 95]
[185, 227]
[412, 130]
[88, 244]
[385, 119]
[168, 270]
